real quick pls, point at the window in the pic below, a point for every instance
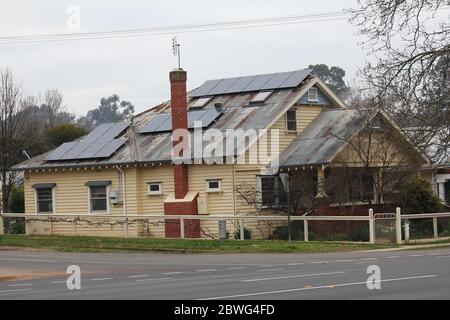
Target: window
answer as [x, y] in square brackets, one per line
[261, 97]
[155, 188]
[312, 94]
[273, 193]
[291, 120]
[201, 102]
[44, 197]
[214, 185]
[98, 198]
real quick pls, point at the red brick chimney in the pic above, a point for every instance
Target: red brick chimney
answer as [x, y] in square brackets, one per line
[178, 78]
[182, 202]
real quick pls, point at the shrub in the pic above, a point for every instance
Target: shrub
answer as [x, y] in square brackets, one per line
[416, 196]
[247, 234]
[17, 201]
[281, 233]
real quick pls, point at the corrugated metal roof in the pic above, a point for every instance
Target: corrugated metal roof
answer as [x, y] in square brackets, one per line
[321, 139]
[156, 148]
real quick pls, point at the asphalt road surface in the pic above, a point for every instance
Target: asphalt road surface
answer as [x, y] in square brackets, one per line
[404, 275]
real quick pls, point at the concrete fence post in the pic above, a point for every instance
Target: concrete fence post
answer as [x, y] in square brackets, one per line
[305, 230]
[435, 227]
[398, 225]
[242, 229]
[371, 227]
[407, 230]
[125, 228]
[2, 226]
[182, 231]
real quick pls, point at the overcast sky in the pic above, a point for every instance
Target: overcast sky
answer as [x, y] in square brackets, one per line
[137, 68]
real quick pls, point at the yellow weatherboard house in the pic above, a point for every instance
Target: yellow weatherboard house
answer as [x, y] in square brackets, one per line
[129, 168]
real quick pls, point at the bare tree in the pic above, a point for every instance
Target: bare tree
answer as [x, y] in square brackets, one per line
[13, 124]
[53, 105]
[410, 48]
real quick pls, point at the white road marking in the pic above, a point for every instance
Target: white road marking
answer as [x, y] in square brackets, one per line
[58, 282]
[319, 262]
[33, 260]
[295, 264]
[237, 268]
[101, 279]
[346, 260]
[435, 254]
[15, 290]
[138, 276]
[295, 276]
[266, 266]
[369, 259]
[392, 257]
[175, 272]
[366, 262]
[415, 255]
[154, 279]
[268, 270]
[206, 270]
[20, 285]
[442, 257]
[315, 288]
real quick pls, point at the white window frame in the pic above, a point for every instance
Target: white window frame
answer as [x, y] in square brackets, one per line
[296, 124]
[108, 201]
[53, 202]
[213, 190]
[154, 193]
[316, 94]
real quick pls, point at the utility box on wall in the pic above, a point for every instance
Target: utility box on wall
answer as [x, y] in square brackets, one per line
[202, 204]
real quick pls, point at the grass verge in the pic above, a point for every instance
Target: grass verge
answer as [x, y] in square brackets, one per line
[100, 244]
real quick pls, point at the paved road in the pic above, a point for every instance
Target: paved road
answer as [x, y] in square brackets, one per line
[404, 275]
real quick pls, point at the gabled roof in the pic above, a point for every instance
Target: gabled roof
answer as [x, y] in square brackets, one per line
[155, 148]
[328, 134]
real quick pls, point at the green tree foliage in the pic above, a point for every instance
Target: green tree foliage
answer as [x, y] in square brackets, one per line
[333, 77]
[62, 133]
[416, 196]
[111, 109]
[17, 201]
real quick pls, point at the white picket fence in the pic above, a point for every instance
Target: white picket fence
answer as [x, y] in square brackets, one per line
[370, 219]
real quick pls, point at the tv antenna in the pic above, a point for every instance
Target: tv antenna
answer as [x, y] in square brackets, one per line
[176, 50]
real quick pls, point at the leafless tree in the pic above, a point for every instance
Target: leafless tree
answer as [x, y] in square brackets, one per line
[409, 42]
[53, 105]
[13, 124]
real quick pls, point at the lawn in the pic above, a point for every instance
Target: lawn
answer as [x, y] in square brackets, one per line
[99, 244]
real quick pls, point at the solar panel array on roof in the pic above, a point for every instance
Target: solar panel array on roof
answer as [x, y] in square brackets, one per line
[163, 122]
[252, 83]
[100, 143]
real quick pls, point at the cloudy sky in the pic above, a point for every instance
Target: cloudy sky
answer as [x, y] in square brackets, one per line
[137, 68]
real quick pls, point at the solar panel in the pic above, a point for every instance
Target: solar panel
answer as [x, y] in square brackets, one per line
[93, 149]
[60, 151]
[111, 147]
[276, 80]
[252, 83]
[240, 84]
[296, 78]
[115, 130]
[223, 86]
[205, 88]
[206, 116]
[98, 132]
[76, 150]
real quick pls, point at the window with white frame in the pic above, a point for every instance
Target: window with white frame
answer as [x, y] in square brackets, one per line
[214, 185]
[312, 94]
[154, 188]
[291, 120]
[44, 199]
[98, 198]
